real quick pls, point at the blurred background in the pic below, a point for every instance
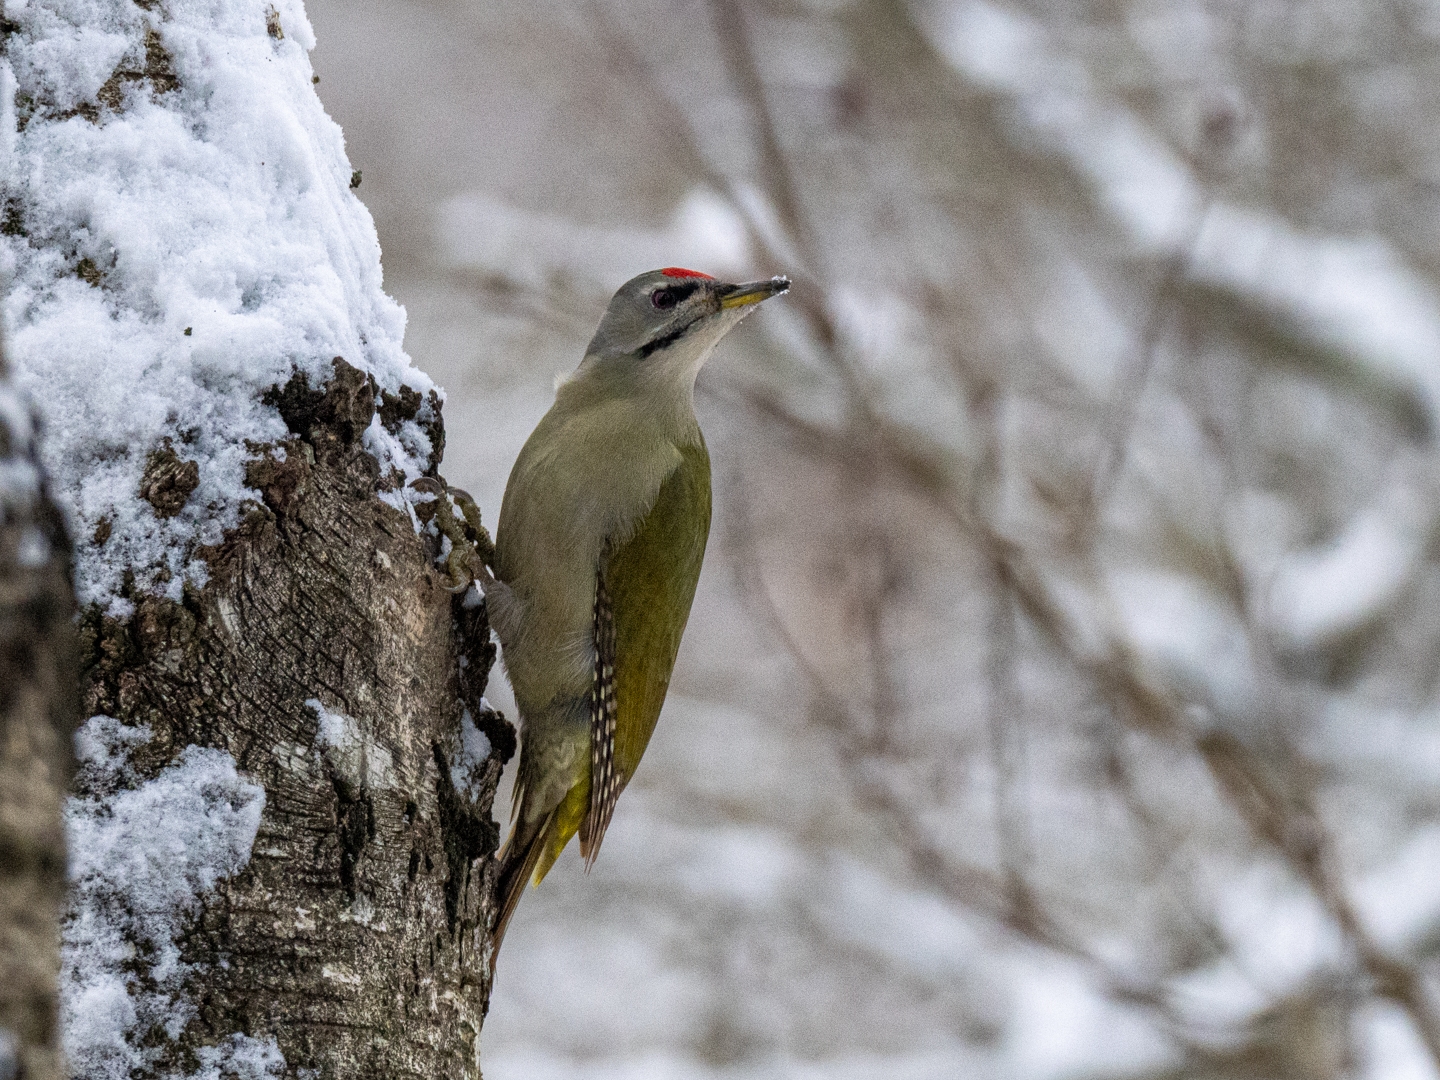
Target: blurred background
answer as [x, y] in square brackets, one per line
[1061, 695]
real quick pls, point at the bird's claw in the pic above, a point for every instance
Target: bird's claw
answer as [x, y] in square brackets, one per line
[472, 552]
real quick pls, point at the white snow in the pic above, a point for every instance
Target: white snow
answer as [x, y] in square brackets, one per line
[1400, 901]
[222, 207]
[1064, 1024]
[352, 751]
[1147, 187]
[751, 867]
[1355, 295]
[1322, 592]
[1390, 1047]
[1189, 637]
[241, 1057]
[916, 930]
[1060, 1023]
[466, 764]
[141, 862]
[19, 476]
[33, 549]
[1217, 996]
[1277, 931]
[945, 1062]
[103, 744]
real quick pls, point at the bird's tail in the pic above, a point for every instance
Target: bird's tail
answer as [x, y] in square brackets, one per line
[518, 859]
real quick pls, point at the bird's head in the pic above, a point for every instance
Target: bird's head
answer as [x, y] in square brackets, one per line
[665, 323]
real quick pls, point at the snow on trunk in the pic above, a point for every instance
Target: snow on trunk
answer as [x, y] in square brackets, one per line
[194, 303]
[182, 235]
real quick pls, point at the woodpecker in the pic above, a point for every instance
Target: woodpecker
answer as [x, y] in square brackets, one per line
[601, 534]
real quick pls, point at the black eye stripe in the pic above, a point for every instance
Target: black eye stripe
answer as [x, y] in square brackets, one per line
[661, 342]
[664, 299]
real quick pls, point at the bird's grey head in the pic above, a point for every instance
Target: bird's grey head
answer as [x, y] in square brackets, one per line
[674, 318]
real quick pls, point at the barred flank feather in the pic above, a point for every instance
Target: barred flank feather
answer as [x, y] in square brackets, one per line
[604, 777]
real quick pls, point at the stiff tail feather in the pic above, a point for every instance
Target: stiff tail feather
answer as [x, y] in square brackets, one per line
[517, 866]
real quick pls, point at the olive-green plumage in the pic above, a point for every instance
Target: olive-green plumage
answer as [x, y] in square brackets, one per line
[650, 579]
[652, 583]
[599, 546]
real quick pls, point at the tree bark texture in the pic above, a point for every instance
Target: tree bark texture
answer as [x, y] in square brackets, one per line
[38, 703]
[357, 935]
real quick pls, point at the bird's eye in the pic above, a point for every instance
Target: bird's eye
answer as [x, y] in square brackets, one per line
[663, 299]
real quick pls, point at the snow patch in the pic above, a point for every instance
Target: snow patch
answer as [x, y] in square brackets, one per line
[1390, 1047]
[1189, 638]
[187, 238]
[103, 745]
[1064, 1024]
[1321, 593]
[913, 928]
[241, 1057]
[33, 549]
[1277, 930]
[467, 763]
[353, 753]
[141, 862]
[19, 476]
[1400, 901]
[1146, 186]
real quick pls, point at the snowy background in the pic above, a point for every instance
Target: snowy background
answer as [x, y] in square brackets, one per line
[1060, 698]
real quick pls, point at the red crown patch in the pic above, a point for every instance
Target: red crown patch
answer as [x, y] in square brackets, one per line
[676, 271]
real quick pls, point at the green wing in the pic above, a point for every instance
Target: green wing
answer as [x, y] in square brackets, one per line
[649, 582]
[652, 584]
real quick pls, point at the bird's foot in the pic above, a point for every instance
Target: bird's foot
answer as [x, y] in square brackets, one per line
[472, 553]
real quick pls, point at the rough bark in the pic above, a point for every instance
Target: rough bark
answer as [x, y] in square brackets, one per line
[37, 717]
[357, 935]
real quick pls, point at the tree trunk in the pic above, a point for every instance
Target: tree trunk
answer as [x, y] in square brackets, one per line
[37, 717]
[324, 657]
[280, 830]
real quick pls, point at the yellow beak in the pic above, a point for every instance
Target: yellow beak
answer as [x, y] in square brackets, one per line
[752, 292]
